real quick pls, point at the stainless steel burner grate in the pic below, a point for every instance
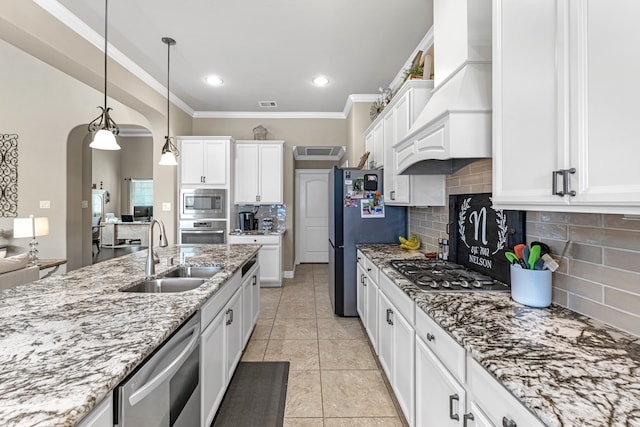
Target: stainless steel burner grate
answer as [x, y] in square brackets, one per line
[440, 275]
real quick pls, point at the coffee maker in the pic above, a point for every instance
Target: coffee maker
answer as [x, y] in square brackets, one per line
[247, 221]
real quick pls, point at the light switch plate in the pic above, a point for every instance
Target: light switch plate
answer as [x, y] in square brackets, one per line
[166, 206]
[85, 204]
[45, 204]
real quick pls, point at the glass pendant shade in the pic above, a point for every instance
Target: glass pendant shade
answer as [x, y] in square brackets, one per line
[104, 140]
[169, 154]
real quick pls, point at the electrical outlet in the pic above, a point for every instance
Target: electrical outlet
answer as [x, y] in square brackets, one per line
[166, 206]
[45, 204]
[85, 204]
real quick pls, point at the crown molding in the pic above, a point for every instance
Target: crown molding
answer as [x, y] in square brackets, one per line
[265, 115]
[65, 16]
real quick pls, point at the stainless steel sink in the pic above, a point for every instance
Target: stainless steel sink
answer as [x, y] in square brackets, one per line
[166, 285]
[202, 272]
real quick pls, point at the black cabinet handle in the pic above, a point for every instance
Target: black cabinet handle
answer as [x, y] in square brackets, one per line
[230, 318]
[255, 280]
[451, 399]
[466, 417]
[506, 422]
[389, 313]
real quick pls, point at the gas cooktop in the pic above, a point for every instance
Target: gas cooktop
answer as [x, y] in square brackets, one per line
[438, 275]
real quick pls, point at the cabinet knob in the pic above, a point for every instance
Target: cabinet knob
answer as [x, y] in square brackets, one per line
[430, 336]
[466, 417]
[451, 399]
[507, 422]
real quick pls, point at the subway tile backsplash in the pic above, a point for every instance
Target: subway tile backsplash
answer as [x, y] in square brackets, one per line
[599, 274]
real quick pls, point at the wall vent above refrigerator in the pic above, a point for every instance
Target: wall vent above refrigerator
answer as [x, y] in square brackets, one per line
[318, 153]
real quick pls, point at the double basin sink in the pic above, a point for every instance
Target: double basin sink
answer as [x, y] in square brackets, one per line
[185, 278]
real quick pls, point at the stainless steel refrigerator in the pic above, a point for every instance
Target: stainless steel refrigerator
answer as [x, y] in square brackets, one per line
[357, 214]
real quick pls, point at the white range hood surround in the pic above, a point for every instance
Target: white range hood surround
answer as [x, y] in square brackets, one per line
[454, 128]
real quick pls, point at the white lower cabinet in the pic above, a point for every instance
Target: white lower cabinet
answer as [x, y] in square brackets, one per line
[442, 398]
[101, 415]
[225, 328]
[497, 403]
[270, 256]
[396, 341]
[435, 381]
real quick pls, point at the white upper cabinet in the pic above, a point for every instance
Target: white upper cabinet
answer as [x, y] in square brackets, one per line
[258, 172]
[204, 161]
[565, 88]
[395, 121]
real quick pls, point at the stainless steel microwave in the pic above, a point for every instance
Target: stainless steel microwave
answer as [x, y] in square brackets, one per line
[203, 203]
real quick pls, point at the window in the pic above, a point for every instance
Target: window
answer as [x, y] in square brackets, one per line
[141, 192]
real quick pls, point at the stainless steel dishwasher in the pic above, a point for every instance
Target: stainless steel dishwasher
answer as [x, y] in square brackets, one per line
[165, 389]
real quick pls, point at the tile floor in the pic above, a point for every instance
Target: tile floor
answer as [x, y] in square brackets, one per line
[334, 380]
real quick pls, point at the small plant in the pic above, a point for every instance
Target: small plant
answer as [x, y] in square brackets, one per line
[414, 71]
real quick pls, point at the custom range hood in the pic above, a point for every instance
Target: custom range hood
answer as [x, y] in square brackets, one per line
[454, 128]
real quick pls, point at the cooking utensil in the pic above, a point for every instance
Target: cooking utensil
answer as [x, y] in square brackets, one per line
[539, 265]
[513, 258]
[534, 255]
[544, 248]
[518, 250]
[525, 255]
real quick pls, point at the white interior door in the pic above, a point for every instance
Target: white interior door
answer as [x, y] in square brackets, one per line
[312, 231]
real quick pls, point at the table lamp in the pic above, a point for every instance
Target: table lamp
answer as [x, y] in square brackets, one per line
[31, 227]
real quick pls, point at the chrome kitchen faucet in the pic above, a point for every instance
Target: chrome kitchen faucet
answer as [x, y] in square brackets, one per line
[150, 267]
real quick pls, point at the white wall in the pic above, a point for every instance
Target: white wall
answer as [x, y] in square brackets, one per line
[42, 105]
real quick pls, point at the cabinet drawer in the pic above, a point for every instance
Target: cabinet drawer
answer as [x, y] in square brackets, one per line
[450, 353]
[271, 239]
[496, 401]
[403, 303]
[371, 269]
[212, 307]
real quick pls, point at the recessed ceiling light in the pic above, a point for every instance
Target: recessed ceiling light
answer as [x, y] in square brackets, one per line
[320, 81]
[214, 80]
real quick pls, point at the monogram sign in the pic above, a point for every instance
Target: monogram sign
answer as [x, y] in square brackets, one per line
[480, 234]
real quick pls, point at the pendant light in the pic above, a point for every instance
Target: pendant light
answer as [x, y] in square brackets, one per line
[103, 127]
[169, 150]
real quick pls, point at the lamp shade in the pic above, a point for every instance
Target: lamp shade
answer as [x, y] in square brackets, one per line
[22, 227]
[168, 159]
[30, 227]
[41, 226]
[104, 140]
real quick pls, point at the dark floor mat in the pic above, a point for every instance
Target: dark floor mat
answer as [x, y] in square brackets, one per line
[255, 397]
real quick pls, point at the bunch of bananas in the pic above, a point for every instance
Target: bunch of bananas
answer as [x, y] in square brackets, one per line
[411, 243]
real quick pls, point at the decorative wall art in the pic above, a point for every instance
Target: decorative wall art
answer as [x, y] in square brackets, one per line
[8, 175]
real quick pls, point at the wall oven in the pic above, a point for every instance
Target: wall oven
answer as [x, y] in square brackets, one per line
[200, 231]
[165, 390]
[203, 203]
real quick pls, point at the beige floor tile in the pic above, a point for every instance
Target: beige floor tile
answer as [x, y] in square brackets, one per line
[303, 422]
[270, 294]
[294, 329]
[362, 422]
[262, 331]
[355, 393]
[324, 310]
[268, 310]
[340, 328]
[255, 350]
[301, 354]
[304, 396]
[297, 310]
[346, 354]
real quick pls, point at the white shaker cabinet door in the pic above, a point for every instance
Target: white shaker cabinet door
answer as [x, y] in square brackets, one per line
[191, 162]
[605, 90]
[441, 399]
[247, 173]
[528, 112]
[213, 368]
[215, 162]
[271, 178]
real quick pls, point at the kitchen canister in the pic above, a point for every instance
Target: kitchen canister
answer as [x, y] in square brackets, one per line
[531, 287]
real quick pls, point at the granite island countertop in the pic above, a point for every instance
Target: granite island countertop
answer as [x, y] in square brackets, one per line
[566, 368]
[67, 341]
